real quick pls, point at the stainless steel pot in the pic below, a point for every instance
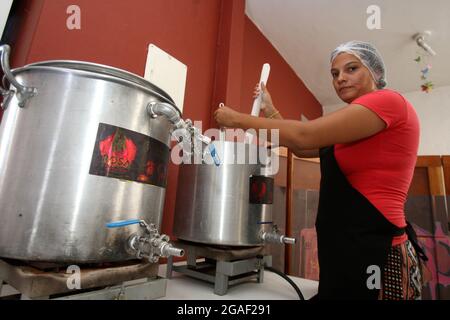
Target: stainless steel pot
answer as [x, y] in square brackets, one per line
[229, 204]
[78, 149]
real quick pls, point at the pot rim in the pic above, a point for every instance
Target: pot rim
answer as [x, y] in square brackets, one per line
[101, 71]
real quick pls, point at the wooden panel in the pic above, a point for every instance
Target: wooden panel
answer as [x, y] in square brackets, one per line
[289, 206]
[436, 181]
[306, 175]
[434, 172]
[420, 183]
[428, 161]
[428, 177]
[280, 177]
[306, 172]
[282, 151]
[446, 166]
[446, 161]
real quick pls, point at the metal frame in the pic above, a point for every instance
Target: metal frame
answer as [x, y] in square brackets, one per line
[131, 281]
[144, 289]
[222, 271]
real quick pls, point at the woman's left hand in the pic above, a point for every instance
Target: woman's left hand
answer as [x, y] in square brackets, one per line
[226, 117]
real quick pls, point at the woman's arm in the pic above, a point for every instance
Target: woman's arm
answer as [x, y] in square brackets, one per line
[274, 114]
[270, 111]
[314, 153]
[349, 124]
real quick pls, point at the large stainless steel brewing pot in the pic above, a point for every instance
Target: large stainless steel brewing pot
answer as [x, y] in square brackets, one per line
[83, 151]
[227, 205]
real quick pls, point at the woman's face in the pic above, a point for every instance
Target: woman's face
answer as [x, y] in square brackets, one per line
[351, 79]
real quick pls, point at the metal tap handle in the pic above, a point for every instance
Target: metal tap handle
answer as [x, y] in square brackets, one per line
[211, 149]
[23, 93]
[214, 155]
[122, 223]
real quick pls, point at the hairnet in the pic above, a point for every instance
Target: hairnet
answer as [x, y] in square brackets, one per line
[368, 55]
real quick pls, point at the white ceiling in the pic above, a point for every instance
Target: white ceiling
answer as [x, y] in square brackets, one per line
[306, 31]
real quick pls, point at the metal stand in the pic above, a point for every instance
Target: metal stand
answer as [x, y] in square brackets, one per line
[221, 267]
[144, 289]
[129, 280]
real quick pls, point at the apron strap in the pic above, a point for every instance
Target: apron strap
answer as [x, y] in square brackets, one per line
[412, 236]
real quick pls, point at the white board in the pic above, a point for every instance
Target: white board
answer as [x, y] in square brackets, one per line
[167, 73]
[5, 6]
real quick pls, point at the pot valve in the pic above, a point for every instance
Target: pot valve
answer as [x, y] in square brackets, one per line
[275, 237]
[184, 130]
[198, 139]
[151, 245]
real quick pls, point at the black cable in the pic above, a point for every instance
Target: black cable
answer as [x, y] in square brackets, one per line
[292, 283]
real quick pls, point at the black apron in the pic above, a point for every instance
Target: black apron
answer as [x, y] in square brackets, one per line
[352, 235]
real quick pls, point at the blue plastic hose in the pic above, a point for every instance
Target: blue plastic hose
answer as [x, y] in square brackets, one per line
[122, 223]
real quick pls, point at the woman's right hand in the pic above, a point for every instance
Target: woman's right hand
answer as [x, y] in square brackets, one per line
[266, 100]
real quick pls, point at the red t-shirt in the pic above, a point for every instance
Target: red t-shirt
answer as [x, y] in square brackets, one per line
[381, 167]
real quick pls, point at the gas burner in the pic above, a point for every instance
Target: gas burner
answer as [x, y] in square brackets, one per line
[223, 266]
[125, 280]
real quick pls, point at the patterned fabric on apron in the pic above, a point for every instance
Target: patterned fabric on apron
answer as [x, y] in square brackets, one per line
[402, 276]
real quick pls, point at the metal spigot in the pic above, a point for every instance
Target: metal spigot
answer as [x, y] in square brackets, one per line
[195, 133]
[275, 237]
[199, 144]
[151, 245]
[156, 109]
[184, 131]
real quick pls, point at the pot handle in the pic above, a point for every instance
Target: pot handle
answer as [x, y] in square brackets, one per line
[22, 92]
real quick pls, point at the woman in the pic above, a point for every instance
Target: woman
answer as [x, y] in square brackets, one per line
[368, 152]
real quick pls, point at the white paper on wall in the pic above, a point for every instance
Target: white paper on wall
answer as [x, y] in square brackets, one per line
[5, 6]
[167, 73]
